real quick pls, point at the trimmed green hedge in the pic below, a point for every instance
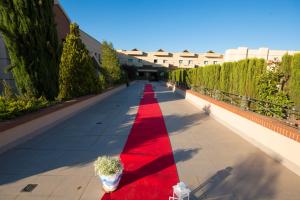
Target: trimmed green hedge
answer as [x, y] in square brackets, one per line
[245, 78]
[234, 77]
[294, 80]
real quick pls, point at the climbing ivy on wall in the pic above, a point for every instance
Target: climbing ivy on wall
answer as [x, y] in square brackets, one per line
[30, 35]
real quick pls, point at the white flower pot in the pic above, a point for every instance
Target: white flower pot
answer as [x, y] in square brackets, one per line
[110, 183]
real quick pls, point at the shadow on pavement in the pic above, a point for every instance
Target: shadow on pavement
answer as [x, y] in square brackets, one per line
[179, 123]
[70, 147]
[253, 178]
[157, 165]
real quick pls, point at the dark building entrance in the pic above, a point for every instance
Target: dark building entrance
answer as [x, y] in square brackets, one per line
[146, 74]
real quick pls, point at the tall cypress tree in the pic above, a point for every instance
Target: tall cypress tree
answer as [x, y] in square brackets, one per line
[250, 79]
[294, 85]
[243, 68]
[235, 78]
[230, 65]
[226, 76]
[285, 65]
[77, 74]
[285, 68]
[110, 62]
[30, 36]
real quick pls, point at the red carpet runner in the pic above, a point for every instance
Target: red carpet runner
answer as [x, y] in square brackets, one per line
[150, 170]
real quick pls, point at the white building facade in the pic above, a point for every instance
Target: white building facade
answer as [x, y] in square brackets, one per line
[240, 53]
[166, 59]
[92, 45]
[188, 59]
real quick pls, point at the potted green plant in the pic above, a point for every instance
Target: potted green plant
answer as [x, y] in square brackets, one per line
[109, 170]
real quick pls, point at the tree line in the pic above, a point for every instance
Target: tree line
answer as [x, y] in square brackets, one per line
[41, 66]
[277, 83]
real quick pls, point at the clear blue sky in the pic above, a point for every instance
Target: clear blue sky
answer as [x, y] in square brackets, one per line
[197, 25]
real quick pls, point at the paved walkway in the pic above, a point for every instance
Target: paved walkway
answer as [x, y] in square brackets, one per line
[149, 167]
[217, 163]
[214, 161]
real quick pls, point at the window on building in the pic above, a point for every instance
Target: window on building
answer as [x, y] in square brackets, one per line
[139, 60]
[190, 62]
[180, 61]
[155, 60]
[215, 62]
[205, 62]
[165, 61]
[130, 60]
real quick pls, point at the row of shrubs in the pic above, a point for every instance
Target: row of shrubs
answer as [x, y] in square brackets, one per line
[234, 77]
[273, 82]
[19, 105]
[79, 74]
[41, 65]
[13, 105]
[44, 69]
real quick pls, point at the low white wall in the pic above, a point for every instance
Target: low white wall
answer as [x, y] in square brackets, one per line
[16, 135]
[274, 144]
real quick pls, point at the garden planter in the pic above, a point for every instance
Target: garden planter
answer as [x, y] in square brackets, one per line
[109, 170]
[110, 183]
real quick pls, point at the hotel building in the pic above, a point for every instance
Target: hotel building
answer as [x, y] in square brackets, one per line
[63, 28]
[146, 63]
[161, 58]
[150, 64]
[265, 53]
[186, 59]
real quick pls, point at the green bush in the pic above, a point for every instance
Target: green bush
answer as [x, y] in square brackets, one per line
[13, 107]
[234, 77]
[294, 82]
[110, 63]
[8, 92]
[285, 68]
[102, 82]
[279, 88]
[77, 73]
[275, 100]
